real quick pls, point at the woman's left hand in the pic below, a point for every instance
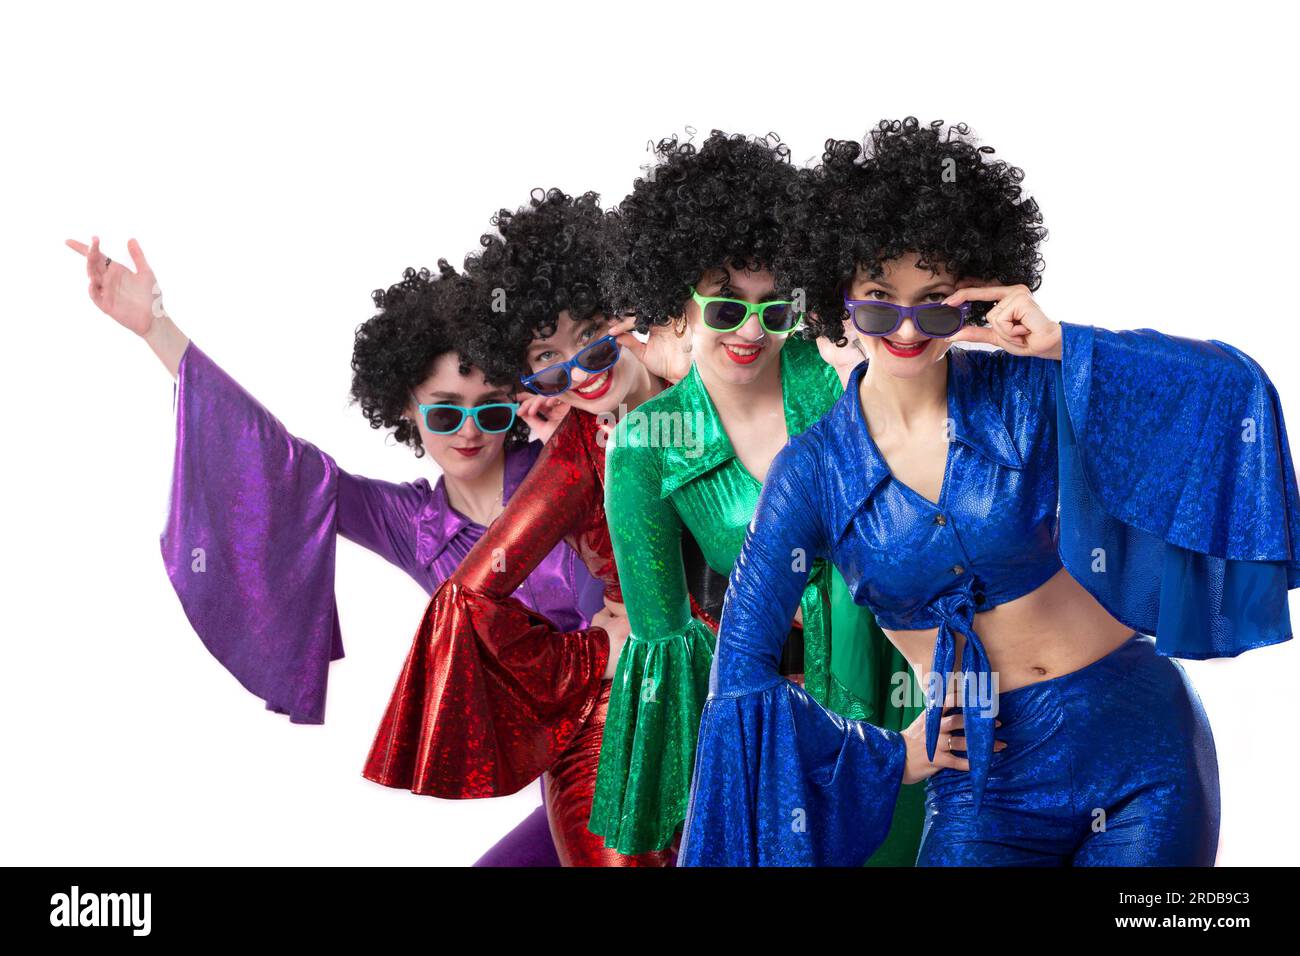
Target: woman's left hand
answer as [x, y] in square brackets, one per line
[665, 353]
[1016, 323]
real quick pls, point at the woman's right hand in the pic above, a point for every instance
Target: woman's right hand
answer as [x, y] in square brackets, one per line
[129, 297]
[951, 743]
[132, 299]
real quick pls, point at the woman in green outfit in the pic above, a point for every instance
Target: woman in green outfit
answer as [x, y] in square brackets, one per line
[693, 244]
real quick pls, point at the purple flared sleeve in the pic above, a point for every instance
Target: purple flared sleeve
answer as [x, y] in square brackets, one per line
[250, 538]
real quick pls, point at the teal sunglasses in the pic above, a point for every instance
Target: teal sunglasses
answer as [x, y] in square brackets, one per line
[443, 419]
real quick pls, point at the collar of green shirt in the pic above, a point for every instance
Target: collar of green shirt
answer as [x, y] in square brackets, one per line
[809, 387]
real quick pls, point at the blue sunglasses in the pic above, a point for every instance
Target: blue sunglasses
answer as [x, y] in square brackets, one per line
[594, 359]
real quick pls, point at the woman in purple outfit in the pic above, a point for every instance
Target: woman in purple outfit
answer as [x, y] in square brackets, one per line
[249, 541]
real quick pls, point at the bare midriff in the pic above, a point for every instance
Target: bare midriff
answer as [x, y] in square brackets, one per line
[1055, 629]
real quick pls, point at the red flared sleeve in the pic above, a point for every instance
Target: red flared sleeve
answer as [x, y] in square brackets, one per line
[492, 692]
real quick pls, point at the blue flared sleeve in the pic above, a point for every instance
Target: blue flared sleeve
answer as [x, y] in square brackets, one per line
[779, 780]
[1178, 502]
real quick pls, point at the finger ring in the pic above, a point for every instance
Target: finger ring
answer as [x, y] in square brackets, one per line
[107, 262]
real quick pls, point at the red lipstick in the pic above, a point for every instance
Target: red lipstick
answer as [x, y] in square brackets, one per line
[591, 396]
[750, 354]
[908, 350]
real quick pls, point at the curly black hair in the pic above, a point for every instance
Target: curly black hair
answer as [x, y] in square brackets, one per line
[908, 187]
[700, 207]
[421, 318]
[544, 258]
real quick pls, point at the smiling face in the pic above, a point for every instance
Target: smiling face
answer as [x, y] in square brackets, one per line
[904, 352]
[741, 356]
[467, 454]
[595, 393]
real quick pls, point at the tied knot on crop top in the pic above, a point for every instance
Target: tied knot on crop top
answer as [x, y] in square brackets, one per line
[992, 533]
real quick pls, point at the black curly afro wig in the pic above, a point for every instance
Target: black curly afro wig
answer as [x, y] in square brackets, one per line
[421, 318]
[701, 207]
[929, 189]
[544, 258]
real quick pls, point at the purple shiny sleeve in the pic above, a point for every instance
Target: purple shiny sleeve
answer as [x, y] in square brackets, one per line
[250, 538]
[586, 592]
[381, 517]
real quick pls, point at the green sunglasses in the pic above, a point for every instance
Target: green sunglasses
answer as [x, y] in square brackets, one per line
[722, 314]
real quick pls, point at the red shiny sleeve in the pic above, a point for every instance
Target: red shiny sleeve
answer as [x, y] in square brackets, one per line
[492, 692]
[561, 499]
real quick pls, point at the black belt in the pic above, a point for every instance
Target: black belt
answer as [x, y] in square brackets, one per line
[709, 588]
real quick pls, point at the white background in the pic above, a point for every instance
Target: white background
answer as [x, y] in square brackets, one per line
[279, 163]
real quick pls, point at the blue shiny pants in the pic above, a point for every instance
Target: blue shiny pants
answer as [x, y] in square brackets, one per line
[1112, 765]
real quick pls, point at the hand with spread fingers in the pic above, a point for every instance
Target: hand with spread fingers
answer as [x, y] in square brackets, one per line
[127, 296]
[132, 299]
[542, 413]
[1016, 323]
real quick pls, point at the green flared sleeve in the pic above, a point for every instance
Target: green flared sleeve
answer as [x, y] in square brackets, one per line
[648, 749]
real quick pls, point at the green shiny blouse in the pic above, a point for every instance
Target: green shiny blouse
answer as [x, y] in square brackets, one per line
[669, 466]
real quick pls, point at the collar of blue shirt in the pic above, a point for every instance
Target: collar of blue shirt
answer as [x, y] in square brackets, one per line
[975, 414]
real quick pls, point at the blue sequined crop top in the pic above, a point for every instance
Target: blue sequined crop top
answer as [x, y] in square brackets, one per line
[991, 537]
[1155, 469]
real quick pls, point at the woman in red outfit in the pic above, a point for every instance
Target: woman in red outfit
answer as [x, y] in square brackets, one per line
[493, 694]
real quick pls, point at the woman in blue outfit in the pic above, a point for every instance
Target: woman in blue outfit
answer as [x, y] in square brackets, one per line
[933, 485]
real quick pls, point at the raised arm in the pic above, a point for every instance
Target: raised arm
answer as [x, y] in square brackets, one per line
[561, 499]
[254, 510]
[659, 687]
[492, 693]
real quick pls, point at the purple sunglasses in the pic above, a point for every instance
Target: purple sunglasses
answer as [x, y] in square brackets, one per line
[932, 319]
